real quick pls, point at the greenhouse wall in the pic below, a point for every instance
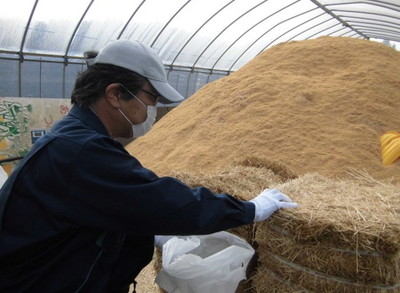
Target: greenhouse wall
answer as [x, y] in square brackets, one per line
[47, 78]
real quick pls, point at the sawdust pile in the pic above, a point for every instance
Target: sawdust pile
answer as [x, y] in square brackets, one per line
[317, 106]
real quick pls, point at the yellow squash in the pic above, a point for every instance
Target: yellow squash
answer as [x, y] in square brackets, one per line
[390, 144]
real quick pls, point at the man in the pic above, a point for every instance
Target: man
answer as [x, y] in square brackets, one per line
[79, 213]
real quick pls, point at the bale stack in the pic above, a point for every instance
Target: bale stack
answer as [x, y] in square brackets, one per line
[344, 237]
[304, 117]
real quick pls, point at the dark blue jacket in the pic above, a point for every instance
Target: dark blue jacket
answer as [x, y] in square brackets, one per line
[79, 213]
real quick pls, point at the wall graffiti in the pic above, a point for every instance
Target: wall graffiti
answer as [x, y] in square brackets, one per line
[64, 109]
[48, 122]
[14, 119]
[14, 122]
[23, 121]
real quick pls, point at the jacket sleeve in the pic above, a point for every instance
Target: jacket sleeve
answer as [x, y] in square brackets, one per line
[110, 189]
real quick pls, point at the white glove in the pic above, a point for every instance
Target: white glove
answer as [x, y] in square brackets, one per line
[269, 201]
[160, 240]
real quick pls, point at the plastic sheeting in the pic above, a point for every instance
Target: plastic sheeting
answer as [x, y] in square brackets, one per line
[214, 35]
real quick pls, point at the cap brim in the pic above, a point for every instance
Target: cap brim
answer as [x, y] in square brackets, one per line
[168, 94]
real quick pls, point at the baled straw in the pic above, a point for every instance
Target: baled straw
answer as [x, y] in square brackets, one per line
[344, 237]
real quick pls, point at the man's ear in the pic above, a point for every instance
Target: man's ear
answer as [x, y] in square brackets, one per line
[113, 95]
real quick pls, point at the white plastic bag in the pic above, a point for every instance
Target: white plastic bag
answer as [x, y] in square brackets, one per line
[3, 176]
[214, 263]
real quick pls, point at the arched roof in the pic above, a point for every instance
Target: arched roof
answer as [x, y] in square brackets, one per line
[217, 35]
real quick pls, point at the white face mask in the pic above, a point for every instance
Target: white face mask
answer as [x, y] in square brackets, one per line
[143, 128]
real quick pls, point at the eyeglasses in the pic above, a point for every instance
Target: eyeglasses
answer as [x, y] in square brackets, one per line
[156, 98]
[133, 95]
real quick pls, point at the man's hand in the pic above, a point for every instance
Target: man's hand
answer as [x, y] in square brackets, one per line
[269, 201]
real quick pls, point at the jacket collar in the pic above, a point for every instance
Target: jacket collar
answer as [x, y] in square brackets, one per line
[89, 117]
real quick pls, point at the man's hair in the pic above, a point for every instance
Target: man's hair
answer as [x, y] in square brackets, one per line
[91, 83]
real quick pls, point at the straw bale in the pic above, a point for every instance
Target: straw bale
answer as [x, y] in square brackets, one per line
[296, 278]
[361, 209]
[340, 262]
[242, 180]
[268, 281]
[344, 237]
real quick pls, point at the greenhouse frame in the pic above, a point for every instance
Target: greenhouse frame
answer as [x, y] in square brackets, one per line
[42, 41]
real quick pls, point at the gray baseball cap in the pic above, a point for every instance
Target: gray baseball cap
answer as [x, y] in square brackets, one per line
[143, 60]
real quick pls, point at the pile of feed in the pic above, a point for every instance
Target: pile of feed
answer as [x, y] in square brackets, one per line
[311, 112]
[317, 105]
